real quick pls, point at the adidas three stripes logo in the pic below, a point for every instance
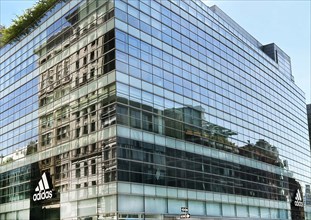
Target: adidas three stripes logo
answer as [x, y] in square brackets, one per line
[43, 184]
[43, 189]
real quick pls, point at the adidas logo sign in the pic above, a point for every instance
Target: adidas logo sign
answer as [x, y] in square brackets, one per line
[43, 190]
[298, 199]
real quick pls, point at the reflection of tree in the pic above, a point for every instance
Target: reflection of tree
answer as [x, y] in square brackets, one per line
[20, 153]
[262, 151]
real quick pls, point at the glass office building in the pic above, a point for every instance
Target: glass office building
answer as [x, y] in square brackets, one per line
[134, 109]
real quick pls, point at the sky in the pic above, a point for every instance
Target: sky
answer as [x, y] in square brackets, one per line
[10, 8]
[285, 23]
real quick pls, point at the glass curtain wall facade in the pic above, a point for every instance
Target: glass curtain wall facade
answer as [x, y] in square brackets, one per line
[134, 109]
[309, 120]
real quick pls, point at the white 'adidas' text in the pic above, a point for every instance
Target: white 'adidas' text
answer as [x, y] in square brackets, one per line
[43, 190]
[298, 200]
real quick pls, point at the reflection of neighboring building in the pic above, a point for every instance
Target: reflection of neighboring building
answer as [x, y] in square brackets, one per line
[188, 123]
[70, 109]
[54, 111]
